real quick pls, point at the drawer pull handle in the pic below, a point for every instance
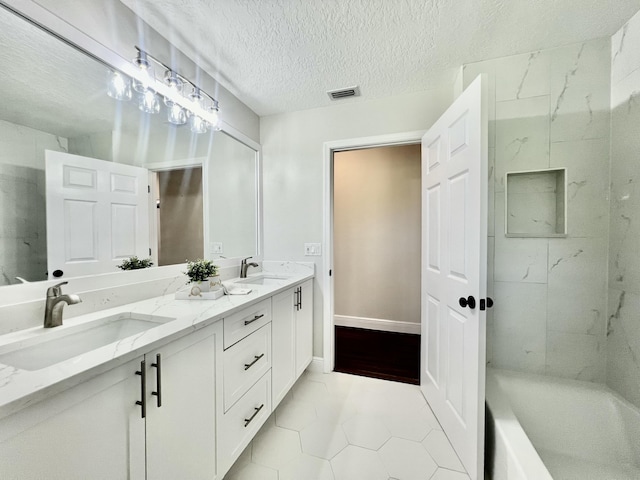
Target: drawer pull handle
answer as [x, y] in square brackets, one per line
[158, 366]
[247, 421]
[143, 388]
[257, 317]
[247, 366]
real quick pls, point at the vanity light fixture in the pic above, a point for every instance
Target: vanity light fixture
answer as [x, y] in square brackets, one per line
[199, 108]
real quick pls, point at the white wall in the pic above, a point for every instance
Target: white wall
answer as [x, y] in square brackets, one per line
[292, 147]
[550, 109]
[623, 332]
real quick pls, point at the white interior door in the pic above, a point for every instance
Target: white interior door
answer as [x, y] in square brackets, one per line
[454, 233]
[97, 214]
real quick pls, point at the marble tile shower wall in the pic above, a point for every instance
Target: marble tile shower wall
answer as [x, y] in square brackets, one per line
[550, 109]
[623, 329]
[23, 228]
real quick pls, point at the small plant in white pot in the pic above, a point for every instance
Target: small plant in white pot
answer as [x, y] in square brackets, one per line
[204, 275]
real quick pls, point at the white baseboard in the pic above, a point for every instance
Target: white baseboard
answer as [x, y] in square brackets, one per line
[377, 324]
[316, 365]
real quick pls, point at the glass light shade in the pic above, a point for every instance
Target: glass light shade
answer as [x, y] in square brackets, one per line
[196, 97]
[149, 102]
[198, 124]
[176, 114]
[118, 86]
[173, 81]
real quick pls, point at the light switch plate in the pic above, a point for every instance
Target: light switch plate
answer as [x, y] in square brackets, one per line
[312, 249]
[216, 247]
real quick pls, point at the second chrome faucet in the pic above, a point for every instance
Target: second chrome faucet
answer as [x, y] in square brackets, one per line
[244, 266]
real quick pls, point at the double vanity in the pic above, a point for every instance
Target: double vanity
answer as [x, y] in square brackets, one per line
[158, 389]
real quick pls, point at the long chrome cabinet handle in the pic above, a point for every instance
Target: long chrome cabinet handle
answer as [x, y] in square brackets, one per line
[247, 421]
[143, 388]
[257, 317]
[247, 366]
[158, 366]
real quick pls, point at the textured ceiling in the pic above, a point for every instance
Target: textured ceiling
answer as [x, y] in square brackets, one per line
[282, 55]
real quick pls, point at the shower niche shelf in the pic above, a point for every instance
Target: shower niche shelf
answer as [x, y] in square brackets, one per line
[536, 203]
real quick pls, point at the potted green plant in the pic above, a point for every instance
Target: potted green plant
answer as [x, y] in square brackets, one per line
[203, 273]
[135, 263]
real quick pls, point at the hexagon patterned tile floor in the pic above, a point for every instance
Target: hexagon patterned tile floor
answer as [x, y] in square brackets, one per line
[337, 426]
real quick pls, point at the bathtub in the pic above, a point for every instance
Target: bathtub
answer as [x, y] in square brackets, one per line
[544, 428]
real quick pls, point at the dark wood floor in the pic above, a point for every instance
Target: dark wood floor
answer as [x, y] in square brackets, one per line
[372, 353]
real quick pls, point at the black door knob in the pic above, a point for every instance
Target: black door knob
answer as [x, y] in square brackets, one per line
[467, 302]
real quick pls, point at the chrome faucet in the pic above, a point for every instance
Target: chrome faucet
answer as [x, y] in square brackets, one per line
[55, 304]
[244, 266]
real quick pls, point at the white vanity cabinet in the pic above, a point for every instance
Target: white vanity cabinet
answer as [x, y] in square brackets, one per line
[96, 431]
[181, 420]
[292, 328]
[89, 431]
[182, 410]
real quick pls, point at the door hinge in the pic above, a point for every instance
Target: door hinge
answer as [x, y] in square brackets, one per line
[330, 272]
[148, 188]
[149, 251]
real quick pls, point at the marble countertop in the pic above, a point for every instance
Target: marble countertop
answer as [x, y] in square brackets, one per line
[21, 388]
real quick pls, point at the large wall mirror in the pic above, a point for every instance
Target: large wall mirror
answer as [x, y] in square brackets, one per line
[204, 187]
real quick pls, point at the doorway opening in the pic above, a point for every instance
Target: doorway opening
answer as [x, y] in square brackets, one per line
[377, 261]
[179, 215]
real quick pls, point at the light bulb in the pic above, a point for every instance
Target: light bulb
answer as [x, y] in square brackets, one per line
[118, 86]
[149, 102]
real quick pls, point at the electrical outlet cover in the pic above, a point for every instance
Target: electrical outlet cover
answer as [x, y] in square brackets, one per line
[312, 249]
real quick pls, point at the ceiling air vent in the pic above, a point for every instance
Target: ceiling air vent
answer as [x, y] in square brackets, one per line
[344, 93]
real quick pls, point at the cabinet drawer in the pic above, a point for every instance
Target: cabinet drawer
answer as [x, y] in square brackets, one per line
[241, 324]
[240, 424]
[244, 363]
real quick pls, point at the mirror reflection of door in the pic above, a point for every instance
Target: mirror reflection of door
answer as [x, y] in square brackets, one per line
[179, 215]
[97, 214]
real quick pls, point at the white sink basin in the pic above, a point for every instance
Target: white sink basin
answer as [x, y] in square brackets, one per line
[264, 280]
[55, 345]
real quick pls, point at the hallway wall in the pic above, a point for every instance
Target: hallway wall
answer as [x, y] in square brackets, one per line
[549, 109]
[377, 232]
